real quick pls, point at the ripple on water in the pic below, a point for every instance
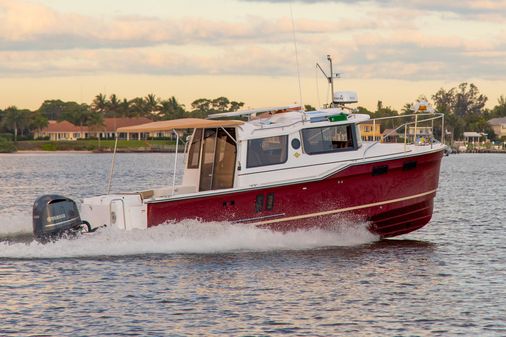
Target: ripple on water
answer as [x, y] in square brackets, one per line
[446, 279]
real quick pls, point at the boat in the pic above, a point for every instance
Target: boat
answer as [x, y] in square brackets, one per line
[280, 168]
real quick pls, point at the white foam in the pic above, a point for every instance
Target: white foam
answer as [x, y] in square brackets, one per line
[12, 221]
[189, 237]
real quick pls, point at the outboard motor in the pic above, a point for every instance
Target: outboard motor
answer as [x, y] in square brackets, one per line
[54, 216]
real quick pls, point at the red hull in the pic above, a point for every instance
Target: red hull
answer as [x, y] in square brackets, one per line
[395, 196]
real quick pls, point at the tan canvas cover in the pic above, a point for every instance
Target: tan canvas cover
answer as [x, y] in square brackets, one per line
[184, 123]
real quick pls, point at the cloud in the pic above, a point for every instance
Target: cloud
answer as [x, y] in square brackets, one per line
[376, 42]
[31, 26]
[153, 61]
[386, 58]
[476, 9]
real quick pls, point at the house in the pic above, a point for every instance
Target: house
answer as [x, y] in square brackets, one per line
[65, 130]
[420, 131]
[390, 136]
[108, 129]
[499, 126]
[473, 137]
[370, 131]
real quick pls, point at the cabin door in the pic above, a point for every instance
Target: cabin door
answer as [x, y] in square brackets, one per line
[219, 152]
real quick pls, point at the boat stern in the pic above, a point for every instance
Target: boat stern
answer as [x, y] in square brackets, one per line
[123, 211]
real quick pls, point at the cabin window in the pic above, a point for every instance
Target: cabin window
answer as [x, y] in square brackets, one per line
[267, 151]
[194, 153]
[328, 139]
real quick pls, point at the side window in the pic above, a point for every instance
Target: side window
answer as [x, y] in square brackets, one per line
[328, 139]
[194, 154]
[267, 151]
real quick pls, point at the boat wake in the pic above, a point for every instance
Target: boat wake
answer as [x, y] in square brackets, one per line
[14, 223]
[186, 237]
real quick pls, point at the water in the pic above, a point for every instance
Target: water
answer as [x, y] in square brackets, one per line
[188, 279]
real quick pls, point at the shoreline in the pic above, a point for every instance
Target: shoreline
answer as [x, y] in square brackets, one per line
[85, 151]
[136, 150]
[90, 146]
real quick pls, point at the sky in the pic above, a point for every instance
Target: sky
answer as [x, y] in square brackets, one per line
[249, 50]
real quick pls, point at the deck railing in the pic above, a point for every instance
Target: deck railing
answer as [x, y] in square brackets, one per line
[420, 120]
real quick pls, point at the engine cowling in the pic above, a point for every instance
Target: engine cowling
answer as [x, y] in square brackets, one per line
[55, 215]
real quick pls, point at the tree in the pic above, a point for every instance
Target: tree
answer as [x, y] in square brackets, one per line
[203, 107]
[220, 104]
[407, 109]
[75, 113]
[463, 108]
[39, 121]
[460, 101]
[2, 114]
[500, 109]
[235, 106]
[362, 110]
[382, 111]
[479, 123]
[52, 109]
[16, 120]
[96, 123]
[124, 108]
[151, 104]
[137, 107]
[469, 101]
[100, 104]
[171, 109]
[113, 106]
[444, 101]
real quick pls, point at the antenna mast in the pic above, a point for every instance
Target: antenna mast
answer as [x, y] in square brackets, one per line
[330, 78]
[296, 54]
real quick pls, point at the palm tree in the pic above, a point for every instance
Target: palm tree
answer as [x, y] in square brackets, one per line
[124, 108]
[114, 105]
[407, 109]
[100, 104]
[151, 104]
[39, 121]
[171, 109]
[137, 107]
[96, 123]
[11, 120]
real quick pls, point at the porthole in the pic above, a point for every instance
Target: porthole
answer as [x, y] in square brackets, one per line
[296, 143]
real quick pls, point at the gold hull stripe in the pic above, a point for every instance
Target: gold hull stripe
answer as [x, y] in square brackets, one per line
[341, 210]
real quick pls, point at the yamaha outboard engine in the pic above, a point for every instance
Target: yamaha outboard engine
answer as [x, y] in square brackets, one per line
[54, 216]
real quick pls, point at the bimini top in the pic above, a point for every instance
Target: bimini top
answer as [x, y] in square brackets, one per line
[183, 123]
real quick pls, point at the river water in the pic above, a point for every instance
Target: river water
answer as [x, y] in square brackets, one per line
[446, 279]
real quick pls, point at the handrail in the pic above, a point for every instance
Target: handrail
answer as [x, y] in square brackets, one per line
[175, 162]
[275, 126]
[111, 172]
[283, 126]
[403, 116]
[416, 122]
